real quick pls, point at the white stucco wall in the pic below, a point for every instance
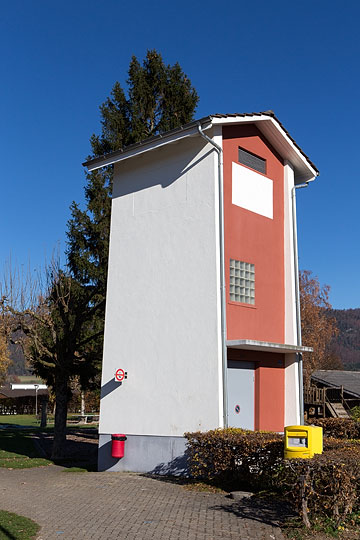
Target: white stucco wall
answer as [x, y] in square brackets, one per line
[290, 299]
[292, 404]
[162, 307]
[292, 408]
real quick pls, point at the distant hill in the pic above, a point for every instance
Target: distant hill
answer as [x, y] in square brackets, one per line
[347, 344]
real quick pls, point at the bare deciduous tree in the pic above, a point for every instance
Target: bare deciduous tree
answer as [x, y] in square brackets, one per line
[56, 325]
[4, 356]
[316, 326]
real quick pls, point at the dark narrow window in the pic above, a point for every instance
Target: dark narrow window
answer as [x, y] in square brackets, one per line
[252, 161]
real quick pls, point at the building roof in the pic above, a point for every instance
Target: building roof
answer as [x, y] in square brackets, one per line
[7, 392]
[350, 380]
[266, 121]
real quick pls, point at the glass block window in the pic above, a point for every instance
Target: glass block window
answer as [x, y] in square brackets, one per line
[242, 282]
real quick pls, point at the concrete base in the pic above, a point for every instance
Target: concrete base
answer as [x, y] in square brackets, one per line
[147, 454]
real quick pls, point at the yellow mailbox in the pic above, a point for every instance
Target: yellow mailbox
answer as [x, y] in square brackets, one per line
[303, 441]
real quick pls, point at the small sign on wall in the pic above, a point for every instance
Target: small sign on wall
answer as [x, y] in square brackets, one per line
[120, 375]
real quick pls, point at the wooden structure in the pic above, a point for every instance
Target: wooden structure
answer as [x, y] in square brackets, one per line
[323, 402]
[332, 394]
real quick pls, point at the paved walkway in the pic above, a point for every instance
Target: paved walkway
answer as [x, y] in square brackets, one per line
[128, 506]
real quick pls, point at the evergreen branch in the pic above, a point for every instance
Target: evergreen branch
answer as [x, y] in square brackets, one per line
[91, 338]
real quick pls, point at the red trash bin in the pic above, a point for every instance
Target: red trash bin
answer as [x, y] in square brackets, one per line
[118, 445]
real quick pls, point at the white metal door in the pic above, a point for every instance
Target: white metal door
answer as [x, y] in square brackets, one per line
[241, 394]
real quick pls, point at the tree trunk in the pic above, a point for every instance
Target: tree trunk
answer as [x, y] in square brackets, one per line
[61, 400]
[304, 505]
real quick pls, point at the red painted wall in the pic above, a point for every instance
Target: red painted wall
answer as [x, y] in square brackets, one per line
[269, 405]
[253, 238]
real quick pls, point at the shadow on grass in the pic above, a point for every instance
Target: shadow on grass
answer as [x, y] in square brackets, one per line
[6, 534]
[80, 450]
[190, 484]
[15, 442]
[15, 527]
[76, 465]
[215, 486]
[22, 448]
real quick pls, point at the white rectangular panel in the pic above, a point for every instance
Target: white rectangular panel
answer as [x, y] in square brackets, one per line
[252, 191]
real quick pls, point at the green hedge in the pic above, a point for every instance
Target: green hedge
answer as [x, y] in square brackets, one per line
[326, 485]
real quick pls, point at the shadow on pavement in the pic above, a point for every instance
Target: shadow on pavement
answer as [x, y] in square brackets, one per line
[265, 510]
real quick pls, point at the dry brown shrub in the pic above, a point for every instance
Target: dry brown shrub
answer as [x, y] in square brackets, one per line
[327, 485]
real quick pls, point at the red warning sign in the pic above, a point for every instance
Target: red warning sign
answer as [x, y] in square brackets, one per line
[119, 375]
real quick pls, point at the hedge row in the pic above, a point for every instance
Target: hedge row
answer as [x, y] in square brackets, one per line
[339, 428]
[233, 456]
[328, 484]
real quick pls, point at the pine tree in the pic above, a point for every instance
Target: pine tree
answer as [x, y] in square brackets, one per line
[160, 97]
[64, 331]
[63, 326]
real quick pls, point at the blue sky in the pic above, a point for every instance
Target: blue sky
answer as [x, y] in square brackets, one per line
[60, 61]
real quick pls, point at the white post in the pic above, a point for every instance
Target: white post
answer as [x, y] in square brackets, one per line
[36, 391]
[82, 403]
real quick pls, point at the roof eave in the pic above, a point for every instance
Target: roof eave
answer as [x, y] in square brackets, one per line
[188, 130]
[280, 139]
[269, 125]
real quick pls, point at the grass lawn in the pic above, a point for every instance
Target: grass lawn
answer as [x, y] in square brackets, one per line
[19, 419]
[75, 470]
[17, 450]
[16, 527]
[29, 420]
